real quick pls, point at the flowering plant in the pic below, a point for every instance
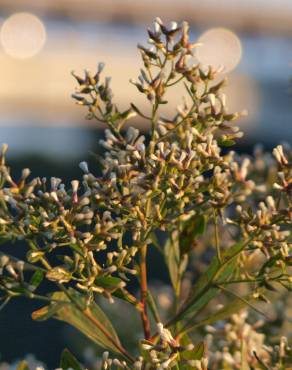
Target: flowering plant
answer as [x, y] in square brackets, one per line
[178, 190]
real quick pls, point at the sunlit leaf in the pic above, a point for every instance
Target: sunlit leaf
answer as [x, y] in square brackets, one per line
[82, 320]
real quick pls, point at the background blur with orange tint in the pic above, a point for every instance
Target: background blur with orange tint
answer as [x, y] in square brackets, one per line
[41, 41]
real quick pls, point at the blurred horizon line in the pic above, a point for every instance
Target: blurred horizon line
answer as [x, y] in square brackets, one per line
[248, 16]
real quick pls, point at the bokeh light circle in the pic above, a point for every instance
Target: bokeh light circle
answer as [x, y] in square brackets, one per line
[220, 47]
[22, 35]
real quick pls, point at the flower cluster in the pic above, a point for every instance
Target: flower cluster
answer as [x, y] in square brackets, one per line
[51, 218]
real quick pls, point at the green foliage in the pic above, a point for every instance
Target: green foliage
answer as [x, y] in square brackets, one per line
[68, 361]
[82, 316]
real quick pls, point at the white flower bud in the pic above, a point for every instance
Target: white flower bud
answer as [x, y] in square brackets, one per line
[146, 346]
[4, 148]
[54, 196]
[204, 362]
[271, 203]
[105, 356]
[20, 265]
[75, 185]
[212, 100]
[55, 182]
[3, 222]
[100, 67]
[84, 166]
[173, 25]
[25, 173]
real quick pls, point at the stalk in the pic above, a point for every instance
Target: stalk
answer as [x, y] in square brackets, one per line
[144, 292]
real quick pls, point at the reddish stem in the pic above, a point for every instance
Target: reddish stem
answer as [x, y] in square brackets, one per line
[144, 290]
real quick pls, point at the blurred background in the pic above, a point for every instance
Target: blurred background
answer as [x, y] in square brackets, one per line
[42, 41]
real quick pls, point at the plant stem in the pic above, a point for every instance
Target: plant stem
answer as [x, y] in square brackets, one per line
[187, 116]
[144, 291]
[153, 120]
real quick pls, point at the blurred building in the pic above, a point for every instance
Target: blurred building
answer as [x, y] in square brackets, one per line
[62, 35]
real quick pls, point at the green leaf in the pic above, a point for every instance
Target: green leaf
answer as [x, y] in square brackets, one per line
[153, 306]
[193, 228]
[172, 258]
[235, 306]
[155, 242]
[68, 361]
[36, 279]
[47, 312]
[195, 354]
[108, 282]
[269, 264]
[113, 283]
[81, 320]
[176, 261]
[227, 143]
[115, 116]
[128, 297]
[205, 290]
[137, 110]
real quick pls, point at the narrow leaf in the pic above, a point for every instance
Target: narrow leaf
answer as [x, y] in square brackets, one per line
[108, 282]
[195, 354]
[155, 242]
[205, 289]
[227, 143]
[36, 279]
[49, 311]
[172, 258]
[193, 228]
[68, 361]
[235, 306]
[153, 307]
[82, 321]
